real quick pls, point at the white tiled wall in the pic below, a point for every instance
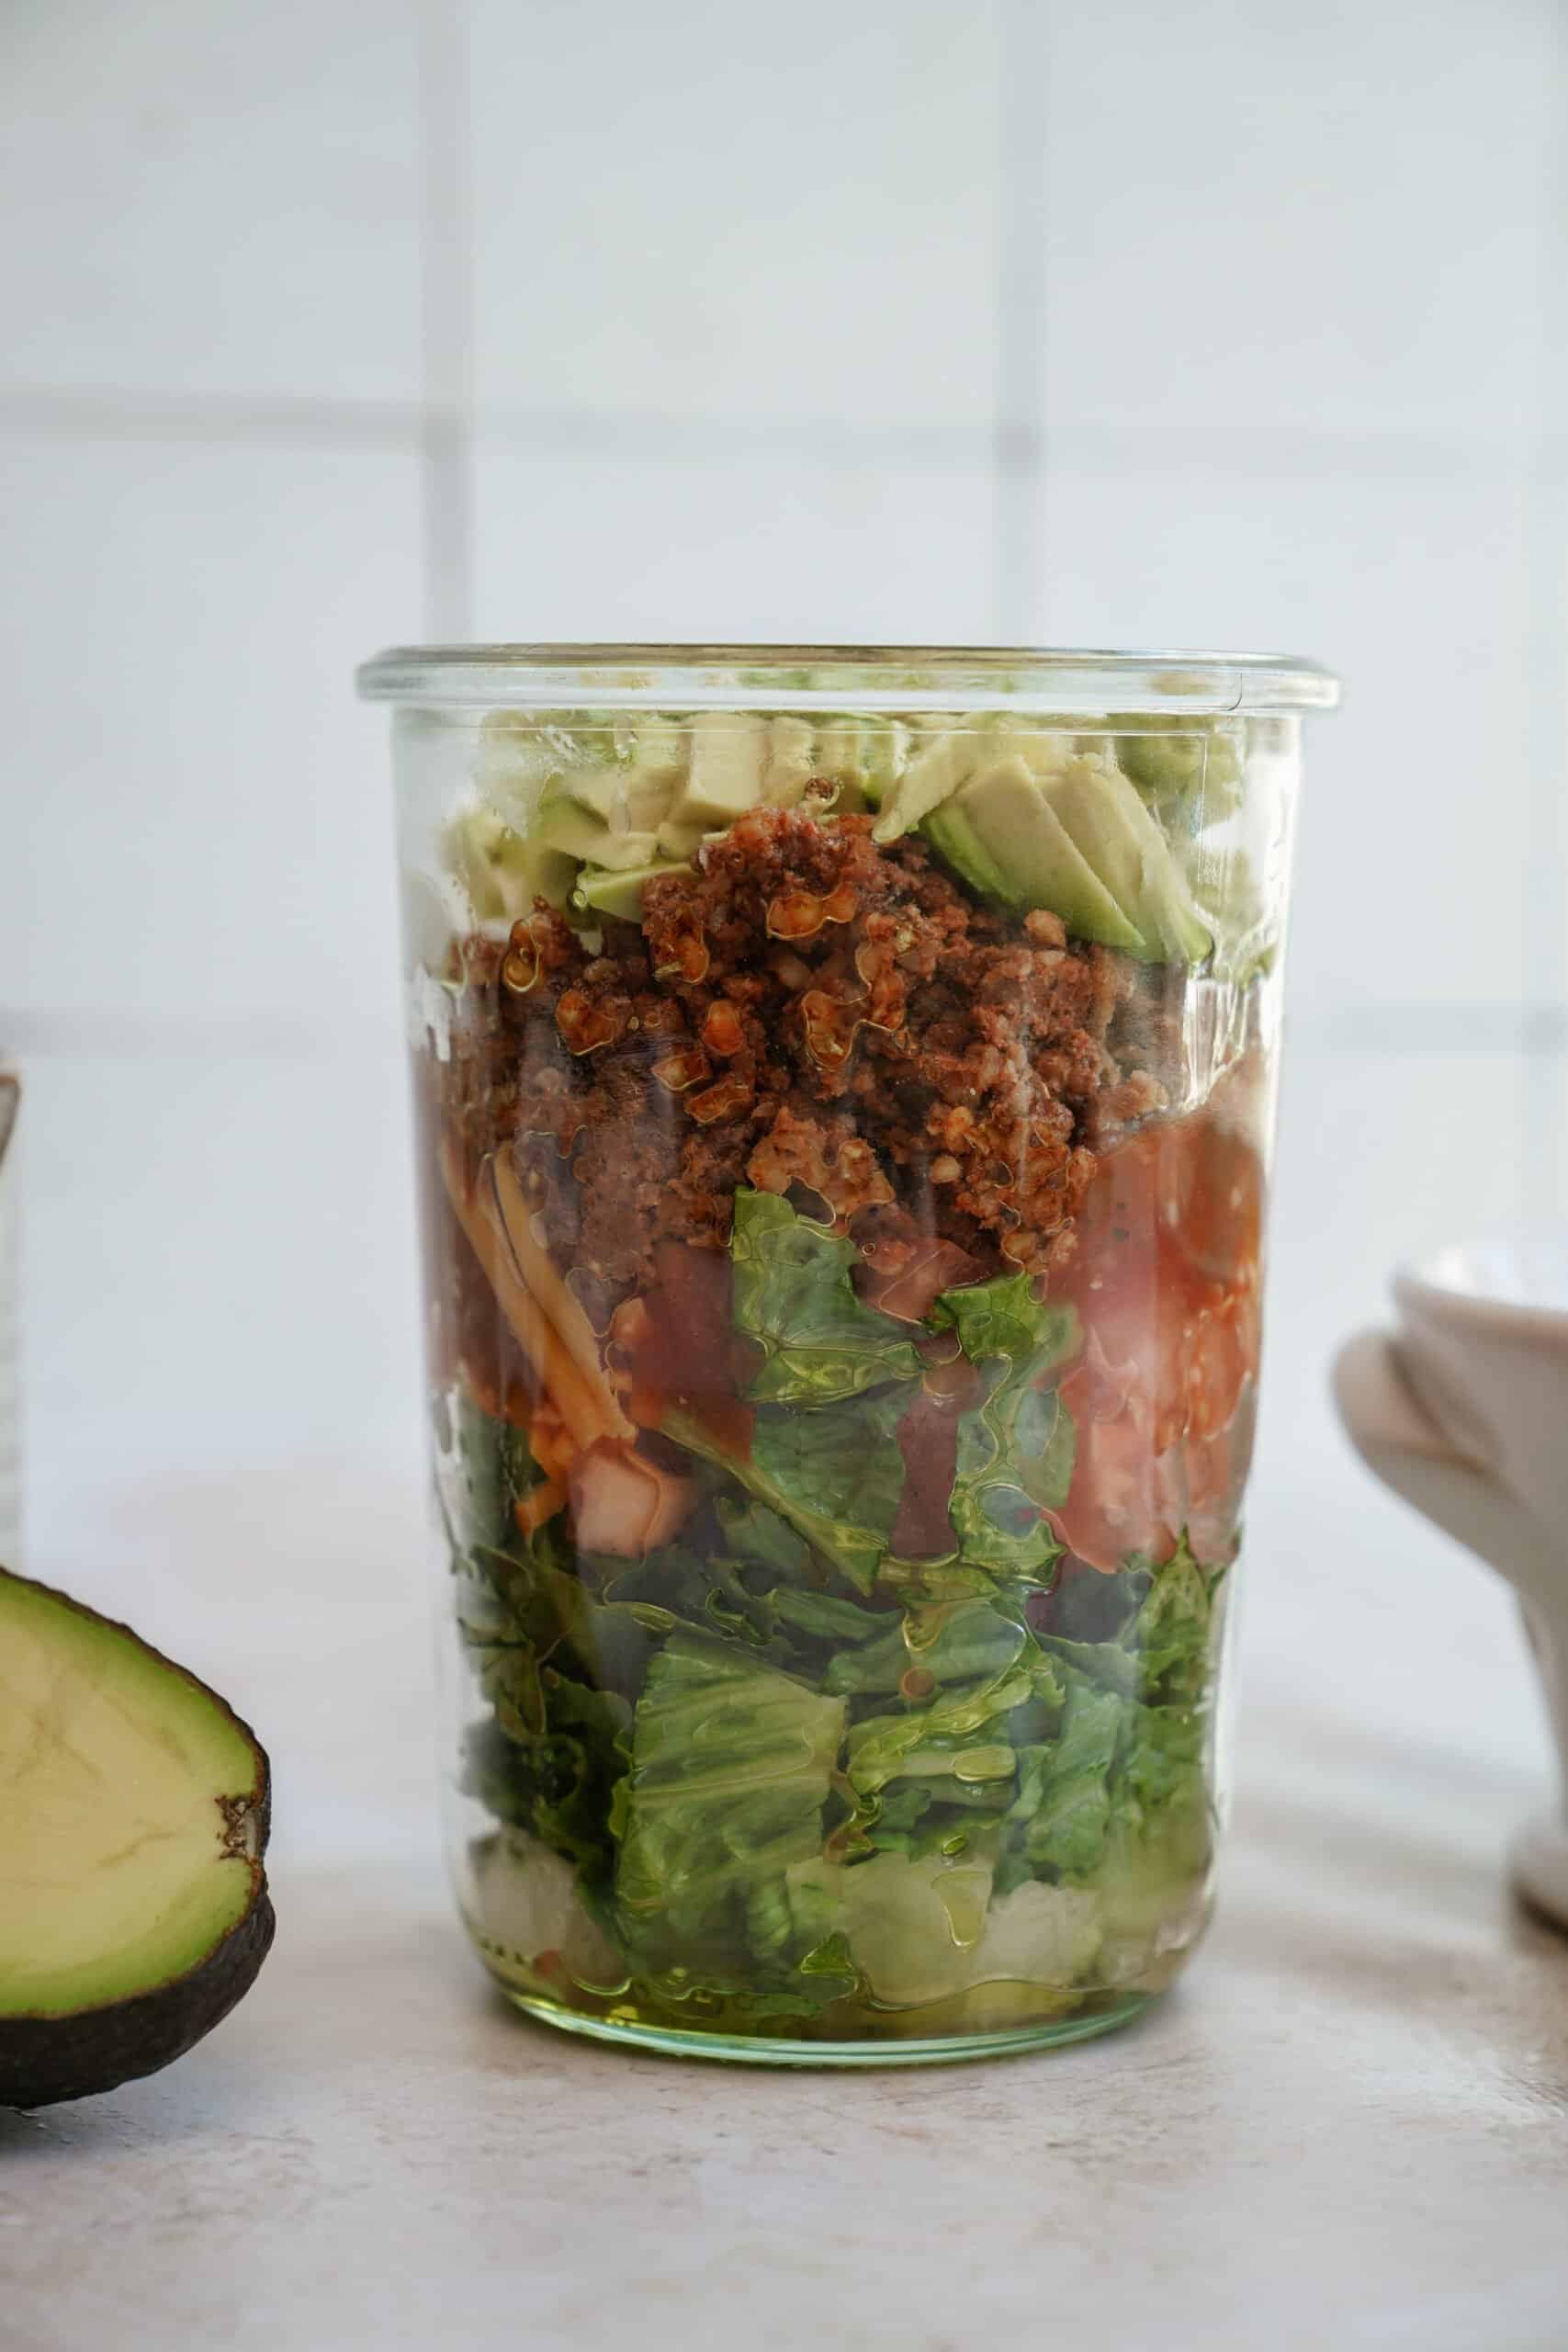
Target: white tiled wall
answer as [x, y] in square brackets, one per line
[1099, 319]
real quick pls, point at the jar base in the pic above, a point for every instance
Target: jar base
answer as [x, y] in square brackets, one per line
[758, 2050]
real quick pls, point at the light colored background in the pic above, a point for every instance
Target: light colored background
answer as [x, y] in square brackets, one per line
[1084, 320]
[332, 323]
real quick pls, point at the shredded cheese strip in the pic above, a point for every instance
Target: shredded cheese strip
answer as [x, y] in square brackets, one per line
[542, 1503]
[579, 1402]
[537, 1269]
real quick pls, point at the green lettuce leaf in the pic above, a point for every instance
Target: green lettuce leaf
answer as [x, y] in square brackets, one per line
[836, 1477]
[823, 1617]
[1063, 1807]
[1174, 1631]
[1119, 1799]
[952, 1642]
[1165, 1649]
[752, 1531]
[793, 1296]
[1015, 1448]
[891, 1824]
[965, 1735]
[731, 1768]
[489, 1469]
[555, 1779]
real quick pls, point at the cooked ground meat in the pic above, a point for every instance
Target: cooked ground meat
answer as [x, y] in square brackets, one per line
[807, 1013]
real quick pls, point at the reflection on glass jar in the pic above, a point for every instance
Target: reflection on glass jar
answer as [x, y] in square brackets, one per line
[845, 1086]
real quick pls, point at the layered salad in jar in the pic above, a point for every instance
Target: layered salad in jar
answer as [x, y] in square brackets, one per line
[841, 1147]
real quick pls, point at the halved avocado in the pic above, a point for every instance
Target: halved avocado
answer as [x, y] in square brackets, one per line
[133, 1820]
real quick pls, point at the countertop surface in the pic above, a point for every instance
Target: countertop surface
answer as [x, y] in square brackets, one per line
[1349, 2126]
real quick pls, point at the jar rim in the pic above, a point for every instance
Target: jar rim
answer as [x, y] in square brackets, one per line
[1040, 679]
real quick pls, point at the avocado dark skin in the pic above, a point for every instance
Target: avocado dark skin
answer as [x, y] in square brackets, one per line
[48, 2058]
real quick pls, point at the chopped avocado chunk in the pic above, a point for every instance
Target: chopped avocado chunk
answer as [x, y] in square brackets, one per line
[680, 842]
[864, 757]
[562, 825]
[620, 894]
[1127, 850]
[630, 783]
[622, 798]
[659, 749]
[1079, 841]
[787, 768]
[1002, 820]
[938, 766]
[1198, 762]
[958, 844]
[504, 870]
[133, 1819]
[725, 777]
[1045, 751]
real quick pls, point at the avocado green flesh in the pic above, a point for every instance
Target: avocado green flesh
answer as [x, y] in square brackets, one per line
[132, 1816]
[1003, 822]
[1027, 816]
[564, 827]
[955, 841]
[1127, 852]
[725, 778]
[503, 870]
[621, 894]
[1171, 765]
[1079, 843]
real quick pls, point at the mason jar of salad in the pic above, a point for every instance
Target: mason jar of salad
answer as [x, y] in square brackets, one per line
[844, 1086]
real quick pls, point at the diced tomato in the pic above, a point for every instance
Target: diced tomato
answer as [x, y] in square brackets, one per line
[928, 1438]
[1165, 1282]
[678, 1342]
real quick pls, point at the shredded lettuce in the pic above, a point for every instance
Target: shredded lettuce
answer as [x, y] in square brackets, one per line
[1063, 1805]
[957, 1736]
[732, 1765]
[793, 1296]
[786, 1769]
[836, 1477]
[1120, 1799]
[1015, 1448]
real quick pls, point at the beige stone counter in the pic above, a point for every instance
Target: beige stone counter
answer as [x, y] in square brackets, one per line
[1350, 2127]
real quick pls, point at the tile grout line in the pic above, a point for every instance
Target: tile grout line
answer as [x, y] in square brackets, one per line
[1545, 651]
[284, 419]
[1018, 442]
[446, 320]
[62, 411]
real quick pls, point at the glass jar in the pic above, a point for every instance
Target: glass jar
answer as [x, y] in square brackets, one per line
[844, 1082]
